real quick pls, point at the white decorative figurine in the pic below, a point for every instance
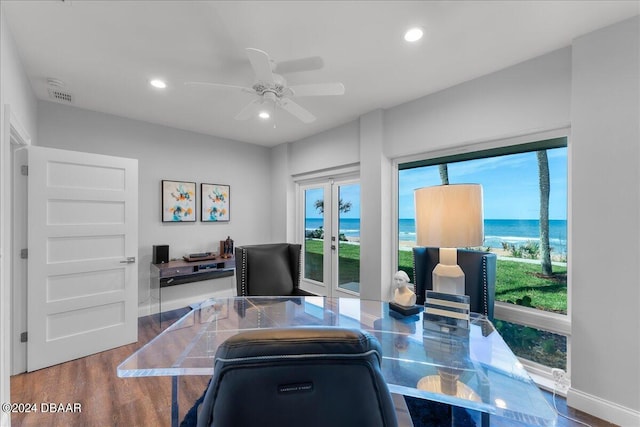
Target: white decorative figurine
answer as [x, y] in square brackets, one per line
[403, 295]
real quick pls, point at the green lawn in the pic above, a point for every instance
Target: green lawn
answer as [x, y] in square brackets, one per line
[349, 261]
[515, 280]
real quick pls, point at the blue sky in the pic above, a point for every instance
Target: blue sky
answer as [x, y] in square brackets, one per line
[509, 183]
[348, 193]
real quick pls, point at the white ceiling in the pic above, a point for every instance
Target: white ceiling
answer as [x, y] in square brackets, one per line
[106, 52]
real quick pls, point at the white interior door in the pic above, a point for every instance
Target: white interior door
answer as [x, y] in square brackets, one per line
[83, 245]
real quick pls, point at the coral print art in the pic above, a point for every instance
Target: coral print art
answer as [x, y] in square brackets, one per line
[178, 201]
[215, 202]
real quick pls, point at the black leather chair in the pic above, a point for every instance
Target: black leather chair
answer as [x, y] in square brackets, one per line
[269, 270]
[312, 376]
[479, 276]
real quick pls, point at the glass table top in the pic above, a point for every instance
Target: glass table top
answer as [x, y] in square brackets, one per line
[477, 371]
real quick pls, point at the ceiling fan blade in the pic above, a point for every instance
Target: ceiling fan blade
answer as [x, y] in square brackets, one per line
[261, 65]
[250, 110]
[296, 110]
[318, 89]
[221, 86]
[296, 65]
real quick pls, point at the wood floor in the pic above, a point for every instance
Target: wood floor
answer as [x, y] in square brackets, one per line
[107, 400]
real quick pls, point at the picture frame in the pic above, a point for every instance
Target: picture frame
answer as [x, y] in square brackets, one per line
[215, 202]
[178, 201]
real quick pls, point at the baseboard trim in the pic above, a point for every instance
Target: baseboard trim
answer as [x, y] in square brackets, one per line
[598, 407]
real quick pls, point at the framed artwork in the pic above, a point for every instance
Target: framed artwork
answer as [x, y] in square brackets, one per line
[214, 202]
[178, 201]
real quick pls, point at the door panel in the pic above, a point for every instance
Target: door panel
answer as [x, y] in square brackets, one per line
[331, 218]
[82, 290]
[348, 236]
[314, 225]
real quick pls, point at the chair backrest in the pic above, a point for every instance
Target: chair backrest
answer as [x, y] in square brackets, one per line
[479, 276]
[312, 376]
[270, 269]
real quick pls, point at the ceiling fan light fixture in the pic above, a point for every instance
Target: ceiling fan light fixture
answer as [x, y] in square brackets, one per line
[413, 34]
[264, 115]
[158, 84]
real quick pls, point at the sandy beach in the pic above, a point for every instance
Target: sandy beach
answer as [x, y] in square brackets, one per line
[407, 245]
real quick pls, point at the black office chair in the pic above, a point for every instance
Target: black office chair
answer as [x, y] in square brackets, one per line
[312, 376]
[479, 276]
[269, 270]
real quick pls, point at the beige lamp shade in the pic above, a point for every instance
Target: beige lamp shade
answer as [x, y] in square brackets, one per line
[449, 216]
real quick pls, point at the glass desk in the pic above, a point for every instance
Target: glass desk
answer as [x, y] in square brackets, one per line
[477, 372]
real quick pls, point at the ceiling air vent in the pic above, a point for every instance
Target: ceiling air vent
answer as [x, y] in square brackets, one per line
[60, 96]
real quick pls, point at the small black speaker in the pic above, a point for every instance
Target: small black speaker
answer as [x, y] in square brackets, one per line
[160, 254]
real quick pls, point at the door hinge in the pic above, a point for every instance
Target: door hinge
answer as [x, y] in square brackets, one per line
[24, 337]
[24, 253]
[24, 170]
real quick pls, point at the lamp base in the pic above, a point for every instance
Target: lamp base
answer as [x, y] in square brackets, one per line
[448, 277]
[447, 384]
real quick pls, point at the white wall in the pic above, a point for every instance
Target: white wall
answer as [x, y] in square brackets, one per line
[375, 210]
[605, 248]
[525, 98]
[15, 92]
[167, 153]
[333, 148]
[283, 195]
[328, 150]
[16, 88]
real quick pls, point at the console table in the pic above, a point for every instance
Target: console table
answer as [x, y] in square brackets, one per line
[478, 371]
[179, 272]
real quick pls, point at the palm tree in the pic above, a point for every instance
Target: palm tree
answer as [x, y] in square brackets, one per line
[343, 207]
[444, 173]
[545, 252]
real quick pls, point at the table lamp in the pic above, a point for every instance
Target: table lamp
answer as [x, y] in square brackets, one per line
[449, 217]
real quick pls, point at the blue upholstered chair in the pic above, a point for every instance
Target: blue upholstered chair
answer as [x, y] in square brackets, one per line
[479, 270]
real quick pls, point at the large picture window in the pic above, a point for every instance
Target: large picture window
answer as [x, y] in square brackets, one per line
[525, 211]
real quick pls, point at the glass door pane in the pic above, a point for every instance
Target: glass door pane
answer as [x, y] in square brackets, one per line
[348, 236]
[314, 234]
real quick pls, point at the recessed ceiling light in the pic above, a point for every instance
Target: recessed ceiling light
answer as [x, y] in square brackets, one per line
[413, 34]
[264, 115]
[157, 83]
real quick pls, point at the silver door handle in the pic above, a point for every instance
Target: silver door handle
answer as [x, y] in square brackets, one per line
[129, 260]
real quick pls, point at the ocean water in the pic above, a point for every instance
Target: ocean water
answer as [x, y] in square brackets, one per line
[496, 231]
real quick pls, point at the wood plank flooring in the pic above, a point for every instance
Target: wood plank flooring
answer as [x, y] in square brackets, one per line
[107, 400]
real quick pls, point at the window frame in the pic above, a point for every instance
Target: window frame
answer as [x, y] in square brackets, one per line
[552, 322]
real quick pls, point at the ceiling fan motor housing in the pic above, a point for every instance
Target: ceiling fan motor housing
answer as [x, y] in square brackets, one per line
[278, 87]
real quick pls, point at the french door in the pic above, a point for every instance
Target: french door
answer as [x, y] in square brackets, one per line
[330, 235]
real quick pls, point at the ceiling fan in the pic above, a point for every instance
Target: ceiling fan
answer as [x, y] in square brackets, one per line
[272, 89]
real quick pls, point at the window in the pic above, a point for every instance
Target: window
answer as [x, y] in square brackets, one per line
[330, 209]
[525, 209]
